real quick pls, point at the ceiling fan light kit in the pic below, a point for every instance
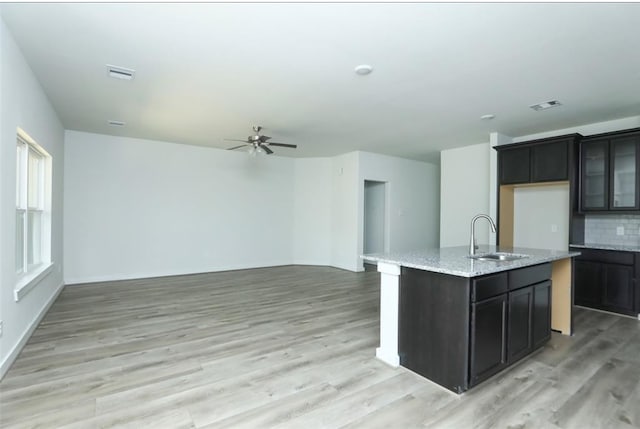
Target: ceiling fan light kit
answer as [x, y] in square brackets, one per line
[259, 143]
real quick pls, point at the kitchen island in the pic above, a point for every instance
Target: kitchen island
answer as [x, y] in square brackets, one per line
[458, 321]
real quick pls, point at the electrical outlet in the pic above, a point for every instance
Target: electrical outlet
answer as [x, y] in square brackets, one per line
[620, 230]
[554, 227]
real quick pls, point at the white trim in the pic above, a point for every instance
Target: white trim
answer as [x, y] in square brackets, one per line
[607, 312]
[391, 359]
[389, 313]
[387, 268]
[149, 275]
[13, 354]
[30, 280]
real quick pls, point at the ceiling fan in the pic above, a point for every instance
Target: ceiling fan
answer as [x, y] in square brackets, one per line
[259, 143]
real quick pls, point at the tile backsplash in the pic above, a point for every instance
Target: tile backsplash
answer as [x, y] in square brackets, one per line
[602, 229]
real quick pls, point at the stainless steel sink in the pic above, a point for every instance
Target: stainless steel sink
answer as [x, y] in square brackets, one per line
[498, 257]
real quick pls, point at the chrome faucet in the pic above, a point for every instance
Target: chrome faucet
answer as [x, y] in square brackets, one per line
[472, 244]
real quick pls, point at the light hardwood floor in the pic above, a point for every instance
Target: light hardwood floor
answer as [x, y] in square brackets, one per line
[289, 347]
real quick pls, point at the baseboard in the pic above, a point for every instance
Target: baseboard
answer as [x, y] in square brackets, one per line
[608, 312]
[15, 351]
[158, 274]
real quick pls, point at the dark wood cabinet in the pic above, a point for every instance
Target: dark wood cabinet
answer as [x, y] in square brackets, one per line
[618, 288]
[459, 331]
[594, 175]
[544, 160]
[609, 172]
[606, 280]
[550, 161]
[541, 329]
[512, 322]
[488, 337]
[515, 165]
[433, 326]
[587, 280]
[520, 323]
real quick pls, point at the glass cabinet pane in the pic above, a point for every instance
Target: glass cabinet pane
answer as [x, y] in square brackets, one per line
[594, 179]
[623, 154]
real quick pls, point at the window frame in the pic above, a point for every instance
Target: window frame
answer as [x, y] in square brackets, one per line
[32, 263]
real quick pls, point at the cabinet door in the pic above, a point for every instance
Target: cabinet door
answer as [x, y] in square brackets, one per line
[594, 176]
[587, 283]
[488, 337]
[624, 175]
[549, 162]
[618, 288]
[541, 313]
[519, 342]
[514, 165]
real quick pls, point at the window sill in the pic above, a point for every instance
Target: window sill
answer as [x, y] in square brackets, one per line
[29, 281]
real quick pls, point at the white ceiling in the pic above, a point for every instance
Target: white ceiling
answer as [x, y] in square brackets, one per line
[206, 72]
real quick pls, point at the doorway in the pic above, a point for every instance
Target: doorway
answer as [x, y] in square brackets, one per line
[374, 218]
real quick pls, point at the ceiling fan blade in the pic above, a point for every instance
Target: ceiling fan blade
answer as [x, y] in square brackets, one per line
[237, 147]
[283, 145]
[266, 149]
[263, 138]
[235, 140]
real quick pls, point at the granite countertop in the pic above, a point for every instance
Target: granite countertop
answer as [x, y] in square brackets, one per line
[454, 260]
[620, 247]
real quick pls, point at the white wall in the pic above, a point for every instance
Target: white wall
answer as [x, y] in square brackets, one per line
[344, 211]
[413, 215]
[24, 104]
[312, 211]
[541, 217]
[464, 192]
[140, 208]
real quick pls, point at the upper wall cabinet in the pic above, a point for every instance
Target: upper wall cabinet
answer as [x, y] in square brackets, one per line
[609, 172]
[544, 160]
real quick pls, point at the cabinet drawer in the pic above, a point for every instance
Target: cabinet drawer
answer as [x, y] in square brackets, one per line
[527, 276]
[486, 287]
[607, 256]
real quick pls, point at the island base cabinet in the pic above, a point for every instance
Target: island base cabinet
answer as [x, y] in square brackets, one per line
[529, 320]
[458, 331]
[541, 330]
[520, 323]
[433, 328]
[488, 338]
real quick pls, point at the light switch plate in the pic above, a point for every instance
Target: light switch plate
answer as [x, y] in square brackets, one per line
[620, 230]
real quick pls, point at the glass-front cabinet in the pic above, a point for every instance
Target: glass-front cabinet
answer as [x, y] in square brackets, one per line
[609, 173]
[624, 174]
[595, 174]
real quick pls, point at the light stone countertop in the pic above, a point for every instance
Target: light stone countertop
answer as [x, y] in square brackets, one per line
[455, 261]
[619, 247]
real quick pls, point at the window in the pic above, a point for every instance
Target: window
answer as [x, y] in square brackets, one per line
[33, 208]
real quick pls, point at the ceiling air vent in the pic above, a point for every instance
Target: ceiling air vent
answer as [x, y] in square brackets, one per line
[546, 105]
[120, 72]
[116, 123]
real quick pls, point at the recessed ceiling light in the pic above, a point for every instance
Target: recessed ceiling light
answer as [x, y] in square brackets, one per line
[487, 117]
[363, 69]
[120, 72]
[545, 105]
[116, 123]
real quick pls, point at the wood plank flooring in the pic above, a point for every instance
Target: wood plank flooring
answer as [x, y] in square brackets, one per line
[289, 347]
